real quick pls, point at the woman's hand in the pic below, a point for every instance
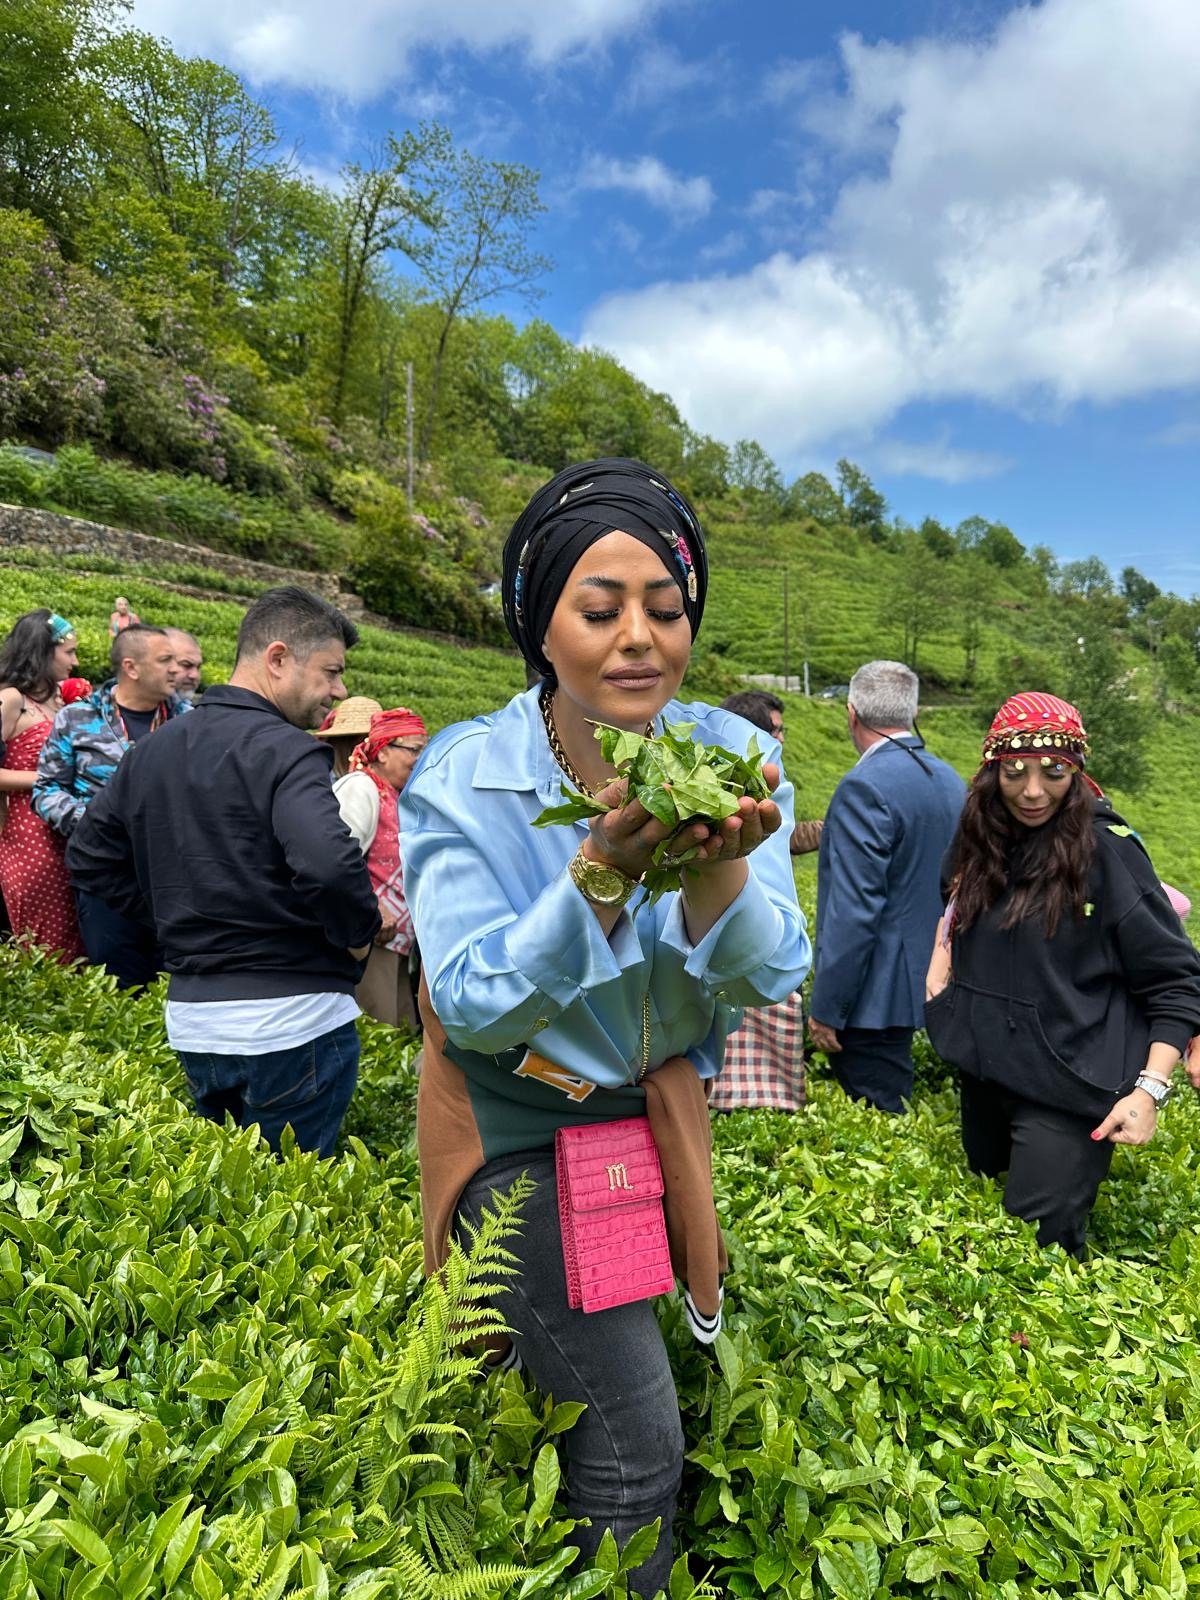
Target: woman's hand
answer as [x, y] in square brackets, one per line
[938, 975]
[1192, 1062]
[1131, 1121]
[737, 836]
[627, 836]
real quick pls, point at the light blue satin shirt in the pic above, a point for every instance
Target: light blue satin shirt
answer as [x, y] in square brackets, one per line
[512, 951]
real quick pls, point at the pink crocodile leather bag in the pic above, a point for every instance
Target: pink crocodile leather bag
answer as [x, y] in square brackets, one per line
[614, 1234]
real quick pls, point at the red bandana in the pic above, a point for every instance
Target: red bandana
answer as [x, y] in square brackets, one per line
[1036, 722]
[386, 726]
[1033, 726]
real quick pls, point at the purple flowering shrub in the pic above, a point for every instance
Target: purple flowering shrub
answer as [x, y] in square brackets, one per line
[77, 364]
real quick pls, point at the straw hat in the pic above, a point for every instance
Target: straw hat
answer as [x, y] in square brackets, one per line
[351, 719]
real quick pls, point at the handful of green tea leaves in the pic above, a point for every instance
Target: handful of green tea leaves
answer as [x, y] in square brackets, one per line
[678, 780]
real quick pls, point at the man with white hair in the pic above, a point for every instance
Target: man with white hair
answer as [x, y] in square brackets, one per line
[189, 658]
[879, 889]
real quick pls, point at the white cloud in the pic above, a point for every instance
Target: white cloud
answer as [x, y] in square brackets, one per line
[937, 458]
[1184, 432]
[660, 73]
[364, 47]
[1021, 225]
[729, 244]
[686, 199]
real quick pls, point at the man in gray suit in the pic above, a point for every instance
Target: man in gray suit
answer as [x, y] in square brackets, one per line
[878, 889]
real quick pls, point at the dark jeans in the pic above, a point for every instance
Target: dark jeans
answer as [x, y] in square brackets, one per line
[625, 1454]
[1054, 1169]
[308, 1088]
[127, 948]
[875, 1065]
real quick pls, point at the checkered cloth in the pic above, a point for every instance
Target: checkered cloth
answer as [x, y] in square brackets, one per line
[764, 1060]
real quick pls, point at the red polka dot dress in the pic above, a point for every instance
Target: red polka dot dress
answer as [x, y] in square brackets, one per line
[33, 874]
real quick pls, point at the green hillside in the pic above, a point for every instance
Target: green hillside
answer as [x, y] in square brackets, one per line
[447, 681]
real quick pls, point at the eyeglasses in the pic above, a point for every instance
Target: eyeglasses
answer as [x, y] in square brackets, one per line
[409, 749]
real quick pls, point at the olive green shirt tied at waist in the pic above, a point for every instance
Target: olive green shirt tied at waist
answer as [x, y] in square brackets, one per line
[463, 1122]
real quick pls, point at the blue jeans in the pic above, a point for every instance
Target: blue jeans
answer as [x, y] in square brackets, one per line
[625, 1454]
[127, 948]
[307, 1087]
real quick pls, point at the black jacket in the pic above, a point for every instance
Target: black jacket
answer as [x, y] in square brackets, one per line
[223, 831]
[1068, 1021]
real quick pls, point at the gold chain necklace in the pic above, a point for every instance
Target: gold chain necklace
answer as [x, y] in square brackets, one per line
[546, 706]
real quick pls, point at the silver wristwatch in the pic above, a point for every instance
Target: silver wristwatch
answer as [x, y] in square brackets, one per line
[1158, 1091]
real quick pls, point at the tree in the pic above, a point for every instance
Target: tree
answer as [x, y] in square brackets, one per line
[1137, 590]
[193, 138]
[937, 538]
[1045, 563]
[706, 465]
[1178, 671]
[479, 247]
[970, 532]
[48, 105]
[916, 600]
[973, 583]
[750, 467]
[1000, 546]
[1088, 579]
[381, 210]
[1094, 679]
[864, 506]
[813, 496]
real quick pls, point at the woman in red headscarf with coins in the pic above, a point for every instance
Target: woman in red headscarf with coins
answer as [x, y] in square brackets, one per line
[1062, 985]
[380, 766]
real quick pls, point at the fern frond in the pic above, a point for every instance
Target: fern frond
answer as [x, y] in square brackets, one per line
[422, 1581]
[446, 1530]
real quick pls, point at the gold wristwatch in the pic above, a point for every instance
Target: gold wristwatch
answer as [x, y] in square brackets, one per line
[603, 886]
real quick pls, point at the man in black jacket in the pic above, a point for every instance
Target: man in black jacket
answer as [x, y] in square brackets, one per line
[224, 834]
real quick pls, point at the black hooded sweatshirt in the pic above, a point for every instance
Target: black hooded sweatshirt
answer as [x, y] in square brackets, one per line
[1068, 1021]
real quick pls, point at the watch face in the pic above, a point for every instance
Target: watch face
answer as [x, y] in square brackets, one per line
[606, 883]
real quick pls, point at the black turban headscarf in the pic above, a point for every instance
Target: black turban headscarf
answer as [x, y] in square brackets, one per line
[568, 514]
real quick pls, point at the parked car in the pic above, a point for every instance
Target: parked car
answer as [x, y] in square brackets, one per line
[833, 691]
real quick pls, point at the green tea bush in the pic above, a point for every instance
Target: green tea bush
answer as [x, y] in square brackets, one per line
[221, 1373]
[223, 1377]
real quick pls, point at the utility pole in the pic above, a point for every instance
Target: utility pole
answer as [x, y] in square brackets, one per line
[409, 426]
[787, 677]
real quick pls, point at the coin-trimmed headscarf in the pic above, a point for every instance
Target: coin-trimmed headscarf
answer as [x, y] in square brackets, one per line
[1034, 726]
[567, 515]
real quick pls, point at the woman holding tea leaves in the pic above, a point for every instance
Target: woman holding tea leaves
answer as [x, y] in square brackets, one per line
[551, 936]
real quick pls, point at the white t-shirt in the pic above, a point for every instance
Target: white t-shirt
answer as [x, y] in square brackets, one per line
[255, 1027]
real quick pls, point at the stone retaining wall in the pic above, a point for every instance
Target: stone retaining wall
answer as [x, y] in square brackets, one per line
[72, 536]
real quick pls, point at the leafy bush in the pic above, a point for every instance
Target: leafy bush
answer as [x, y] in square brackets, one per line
[223, 1377]
[405, 567]
[191, 509]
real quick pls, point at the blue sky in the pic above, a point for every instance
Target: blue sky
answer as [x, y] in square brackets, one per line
[958, 242]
